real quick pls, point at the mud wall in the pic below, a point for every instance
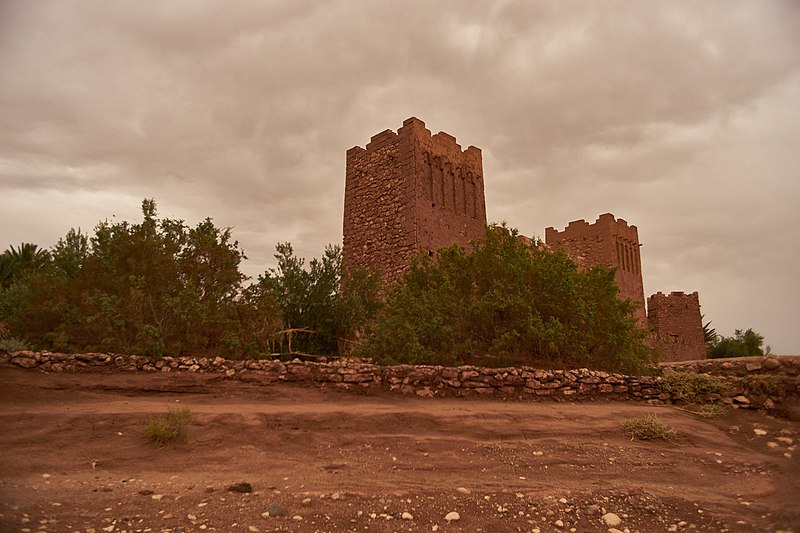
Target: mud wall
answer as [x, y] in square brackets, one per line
[608, 242]
[782, 373]
[407, 191]
[677, 325]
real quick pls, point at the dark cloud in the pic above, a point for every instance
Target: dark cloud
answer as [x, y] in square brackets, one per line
[681, 117]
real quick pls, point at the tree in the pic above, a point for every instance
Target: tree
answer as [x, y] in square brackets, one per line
[321, 306]
[743, 344]
[709, 334]
[507, 302]
[18, 262]
[157, 287]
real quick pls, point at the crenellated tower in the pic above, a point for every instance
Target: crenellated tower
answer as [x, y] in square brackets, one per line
[677, 325]
[407, 191]
[608, 242]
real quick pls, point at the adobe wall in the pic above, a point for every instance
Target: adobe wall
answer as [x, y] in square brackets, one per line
[677, 326]
[608, 242]
[778, 376]
[407, 191]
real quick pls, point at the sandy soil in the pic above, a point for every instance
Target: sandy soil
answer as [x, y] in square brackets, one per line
[73, 457]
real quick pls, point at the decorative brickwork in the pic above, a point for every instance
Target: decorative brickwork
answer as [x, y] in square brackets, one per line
[608, 242]
[677, 326]
[407, 191]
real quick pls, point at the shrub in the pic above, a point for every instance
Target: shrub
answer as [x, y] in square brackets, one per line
[743, 344]
[648, 427]
[163, 429]
[12, 345]
[691, 387]
[506, 301]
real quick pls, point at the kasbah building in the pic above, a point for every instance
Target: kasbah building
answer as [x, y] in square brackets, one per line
[411, 190]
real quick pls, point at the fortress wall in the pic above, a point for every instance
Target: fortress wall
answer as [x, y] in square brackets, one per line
[408, 191]
[677, 325]
[608, 242]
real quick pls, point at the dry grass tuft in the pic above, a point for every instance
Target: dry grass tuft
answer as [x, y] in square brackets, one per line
[648, 427]
[163, 429]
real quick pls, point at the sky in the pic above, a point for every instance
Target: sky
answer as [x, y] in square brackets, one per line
[681, 117]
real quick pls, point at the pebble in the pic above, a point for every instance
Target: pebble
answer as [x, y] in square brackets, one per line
[253, 529]
[760, 432]
[559, 523]
[297, 517]
[274, 509]
[463, 490]
[452, 516]
[611, 519]
[407, 516]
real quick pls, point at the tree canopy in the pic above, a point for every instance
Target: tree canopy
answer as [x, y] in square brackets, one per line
[161, 287]
[745, 343]
[510, 302]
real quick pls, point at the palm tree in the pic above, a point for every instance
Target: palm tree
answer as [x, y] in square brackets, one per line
[25, 258]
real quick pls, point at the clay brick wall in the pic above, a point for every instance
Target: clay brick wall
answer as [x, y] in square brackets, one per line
[608, 242]
[407, 191]
[677, 326]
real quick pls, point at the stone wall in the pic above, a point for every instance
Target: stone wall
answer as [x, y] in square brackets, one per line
[407, 191]
[782, 373]
[677, 325]
[608, 242]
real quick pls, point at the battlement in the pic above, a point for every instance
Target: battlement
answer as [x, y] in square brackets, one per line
[407, 191]
[604, 223]
[676, 325]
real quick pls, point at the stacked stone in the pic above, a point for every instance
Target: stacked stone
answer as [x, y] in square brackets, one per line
[433, 381]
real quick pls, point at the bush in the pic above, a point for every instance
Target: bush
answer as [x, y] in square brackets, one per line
[507, 302]
[743, 344]
[12, 345]
[648, 427]
[163, 429]
[691, 387]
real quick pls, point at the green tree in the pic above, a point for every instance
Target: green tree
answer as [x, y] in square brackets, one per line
[321, 306]
[507, 302]
[743, 344]
[157, 287]
[16, 263]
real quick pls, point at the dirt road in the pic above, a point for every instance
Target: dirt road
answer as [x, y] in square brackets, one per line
[73, 457]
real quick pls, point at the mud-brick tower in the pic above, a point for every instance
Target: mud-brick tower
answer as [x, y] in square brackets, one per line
[677, 326]
[608, 242]
[408, 191]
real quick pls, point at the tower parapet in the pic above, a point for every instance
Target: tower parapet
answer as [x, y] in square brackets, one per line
[608, 242]
[676, 325]
[410, 190]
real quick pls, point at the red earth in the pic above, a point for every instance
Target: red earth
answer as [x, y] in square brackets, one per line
[74, 457]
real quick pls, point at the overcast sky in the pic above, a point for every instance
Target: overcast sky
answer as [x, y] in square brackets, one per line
[681, 117]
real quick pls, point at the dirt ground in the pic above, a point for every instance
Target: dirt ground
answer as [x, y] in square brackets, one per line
[74, 457]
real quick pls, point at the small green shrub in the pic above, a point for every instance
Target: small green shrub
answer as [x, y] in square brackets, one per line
[691, 387]
[12, 345]
[163, 429]
[648, 427]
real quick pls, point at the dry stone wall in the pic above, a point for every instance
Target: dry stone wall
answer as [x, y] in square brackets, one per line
[437, 381]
